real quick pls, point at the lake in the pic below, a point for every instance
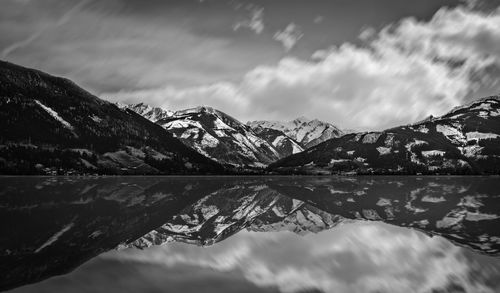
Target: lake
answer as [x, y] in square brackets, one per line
[250, 234]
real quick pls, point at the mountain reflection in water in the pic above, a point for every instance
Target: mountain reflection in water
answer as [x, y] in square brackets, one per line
[251, 234]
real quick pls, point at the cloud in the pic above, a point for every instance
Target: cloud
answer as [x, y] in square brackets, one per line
[318, 19]
[289, 36]
[37, 33]
[112, 46]
[224, 94]
[367, 33]
[256, 21]
[485, 5]
[401, 74]
[471, 3]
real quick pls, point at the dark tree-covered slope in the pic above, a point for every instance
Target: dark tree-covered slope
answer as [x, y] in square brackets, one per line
[49, 125]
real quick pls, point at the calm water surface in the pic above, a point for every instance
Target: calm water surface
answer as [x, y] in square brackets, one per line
[250, 234]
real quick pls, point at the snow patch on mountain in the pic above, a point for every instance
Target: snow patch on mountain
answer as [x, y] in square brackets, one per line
[451, 133]
[182, 124]
[296, 148]
[336, 161]
[433, 153]
[96, 119]
[479, 136]
[409, 147]
[55, 115]
[153, 114]
[383, 150]
[472, 151]
[371, 137]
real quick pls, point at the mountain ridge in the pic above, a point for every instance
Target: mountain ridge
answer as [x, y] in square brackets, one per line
[307, 132]
[466, 140]
[52, 126]
[214, 134]
[310, 132]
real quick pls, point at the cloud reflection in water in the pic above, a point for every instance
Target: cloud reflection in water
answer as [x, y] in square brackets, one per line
[353, 257]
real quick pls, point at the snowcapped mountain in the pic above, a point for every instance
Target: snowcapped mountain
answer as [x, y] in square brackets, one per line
[153, 114]
[52, 126]
[284, 144]
[464, 141]
[305, 131]
[223, 138]
[214, 134]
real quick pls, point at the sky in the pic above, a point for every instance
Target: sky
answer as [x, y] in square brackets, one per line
[360, 64]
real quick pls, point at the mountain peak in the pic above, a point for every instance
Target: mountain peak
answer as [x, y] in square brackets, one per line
[196, 110]
[151, 113]
[477, 102]
[305, 131]
[466, 140]
[206, 109]
[218, 136]
[302, 119]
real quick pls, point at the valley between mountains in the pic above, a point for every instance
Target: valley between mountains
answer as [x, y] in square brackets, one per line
[51, 126]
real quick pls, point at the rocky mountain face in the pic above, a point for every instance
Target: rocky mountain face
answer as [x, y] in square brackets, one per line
[214, 134]
[464, 141]
[283, 144]
[306, 132]
[52, 126]
[221, 137]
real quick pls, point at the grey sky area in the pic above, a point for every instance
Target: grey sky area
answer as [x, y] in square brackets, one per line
[360, 64]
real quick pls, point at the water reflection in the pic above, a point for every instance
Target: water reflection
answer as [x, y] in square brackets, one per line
[288, 234]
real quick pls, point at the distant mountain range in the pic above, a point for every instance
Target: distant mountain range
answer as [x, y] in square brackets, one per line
[464, 141]
[223, 138]
[214, 134]
[306, 132]
[52, 126]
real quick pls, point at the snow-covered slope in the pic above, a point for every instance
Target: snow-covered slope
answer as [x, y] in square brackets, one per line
[305, 131]
[153, 114]
[214, 134]
[223, 138]
[466, 140]
[284, 144]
